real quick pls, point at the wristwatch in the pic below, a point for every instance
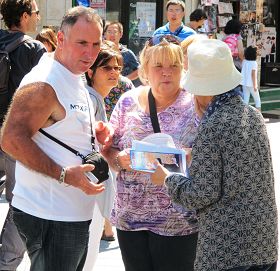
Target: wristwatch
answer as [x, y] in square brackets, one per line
[62, 175]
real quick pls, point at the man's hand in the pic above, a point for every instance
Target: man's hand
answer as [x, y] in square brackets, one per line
[159, 175]
[76, 177]
[104, 134]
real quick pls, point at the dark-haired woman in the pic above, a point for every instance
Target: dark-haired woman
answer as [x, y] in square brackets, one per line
[103, 75]
[234, 41]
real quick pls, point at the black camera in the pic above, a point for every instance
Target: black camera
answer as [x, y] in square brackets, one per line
[101, 170]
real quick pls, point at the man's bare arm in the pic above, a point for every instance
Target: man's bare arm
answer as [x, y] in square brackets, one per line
[35, 106]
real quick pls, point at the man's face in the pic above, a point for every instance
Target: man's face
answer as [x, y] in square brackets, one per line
[113, 34]
[80, 45]
[34, 18]
[175, 14]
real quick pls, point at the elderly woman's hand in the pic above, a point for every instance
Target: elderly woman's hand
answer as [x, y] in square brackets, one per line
[159, 175]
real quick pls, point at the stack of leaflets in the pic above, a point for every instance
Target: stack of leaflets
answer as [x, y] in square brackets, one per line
[160, 147]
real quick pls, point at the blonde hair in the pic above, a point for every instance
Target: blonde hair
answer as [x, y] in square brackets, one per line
[164, 51]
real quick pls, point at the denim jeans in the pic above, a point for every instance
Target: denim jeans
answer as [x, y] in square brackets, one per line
[53, 245]
[267, 267]
[12, 249]
[256, 95]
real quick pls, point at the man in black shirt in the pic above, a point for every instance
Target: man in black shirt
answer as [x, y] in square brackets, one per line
[20, 17]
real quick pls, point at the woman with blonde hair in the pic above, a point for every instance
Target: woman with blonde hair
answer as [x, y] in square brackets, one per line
[48, 37]
[153, 233]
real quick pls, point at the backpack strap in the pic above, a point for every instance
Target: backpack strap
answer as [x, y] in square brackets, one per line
[16, 43]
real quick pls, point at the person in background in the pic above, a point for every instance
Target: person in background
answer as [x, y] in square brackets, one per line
[231, 183]
[197, 18]
[53, 198]
[102, 76]
[115, 93]
[153, 234]
[175, 12]
[48, 37]
[234, 40]
[20, 17]
[124, 84]
[249, 77]
[113, 31]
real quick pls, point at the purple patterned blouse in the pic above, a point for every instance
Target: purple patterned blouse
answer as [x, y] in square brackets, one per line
[140, 205]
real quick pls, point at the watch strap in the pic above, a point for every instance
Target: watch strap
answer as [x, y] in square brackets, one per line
[62, 175]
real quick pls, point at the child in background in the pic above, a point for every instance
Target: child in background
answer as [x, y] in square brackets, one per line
[249, 76]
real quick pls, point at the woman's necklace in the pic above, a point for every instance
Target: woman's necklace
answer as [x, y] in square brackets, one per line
[160, 107]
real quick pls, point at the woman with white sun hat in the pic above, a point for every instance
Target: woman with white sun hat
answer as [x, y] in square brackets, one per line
[231, 183]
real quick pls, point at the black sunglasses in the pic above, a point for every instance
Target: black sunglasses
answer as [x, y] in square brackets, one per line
[108, 68]
[155, 40]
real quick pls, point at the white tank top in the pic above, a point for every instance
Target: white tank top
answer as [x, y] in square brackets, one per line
[40, 195]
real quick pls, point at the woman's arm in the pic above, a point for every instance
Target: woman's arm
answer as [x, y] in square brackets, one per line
[254, 80]
[240, 49]
[204, 187]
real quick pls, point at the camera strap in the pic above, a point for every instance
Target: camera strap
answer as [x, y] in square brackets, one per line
[65, 145]
[60, 143]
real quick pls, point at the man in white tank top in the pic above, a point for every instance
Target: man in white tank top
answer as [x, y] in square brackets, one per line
[53, 199]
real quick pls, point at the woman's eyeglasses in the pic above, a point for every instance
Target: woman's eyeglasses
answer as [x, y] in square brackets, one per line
[155, 40]
[108, 68]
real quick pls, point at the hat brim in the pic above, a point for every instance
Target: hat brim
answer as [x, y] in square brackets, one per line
[200, 86]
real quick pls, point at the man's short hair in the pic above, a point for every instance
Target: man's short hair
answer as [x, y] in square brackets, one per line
[12, 10]
[175, 2]
[118, 24]
[197, 15]
[73, 14]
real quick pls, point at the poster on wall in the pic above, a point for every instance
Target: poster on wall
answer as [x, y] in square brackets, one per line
[146, 16]
[100, 7]
[268, 13]
[267, 45]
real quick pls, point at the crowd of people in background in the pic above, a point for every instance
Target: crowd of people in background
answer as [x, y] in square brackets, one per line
[79, 91]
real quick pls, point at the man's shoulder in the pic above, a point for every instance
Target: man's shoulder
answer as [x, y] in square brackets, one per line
[33, 45]
[128, 55]
[162, 30]
[125, 50]
[188, 29]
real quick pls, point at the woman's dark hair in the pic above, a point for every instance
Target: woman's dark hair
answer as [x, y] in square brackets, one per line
[12, 10]
[197, 15]
[233, 27]
[105, 55]
[250, 53]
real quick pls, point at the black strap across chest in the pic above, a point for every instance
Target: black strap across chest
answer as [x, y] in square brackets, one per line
[153, 112]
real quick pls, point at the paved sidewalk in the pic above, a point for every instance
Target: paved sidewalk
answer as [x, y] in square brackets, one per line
[109, 257]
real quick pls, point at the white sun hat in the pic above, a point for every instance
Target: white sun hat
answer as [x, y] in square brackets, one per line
[211, 70]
